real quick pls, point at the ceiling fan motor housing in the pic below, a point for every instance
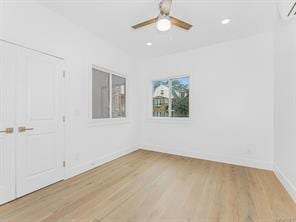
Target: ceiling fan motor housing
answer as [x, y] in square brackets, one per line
[165, 7]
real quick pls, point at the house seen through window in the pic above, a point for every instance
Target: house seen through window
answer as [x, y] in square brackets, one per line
[171, 97]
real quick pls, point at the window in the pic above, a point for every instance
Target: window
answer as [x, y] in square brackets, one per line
[100, 94]
[108, 95]
[161, 98]
[118, 96]
[171, 98]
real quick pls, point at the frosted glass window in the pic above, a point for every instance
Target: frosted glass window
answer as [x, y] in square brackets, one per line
[118, 96]
[108, 95]
[100, 94]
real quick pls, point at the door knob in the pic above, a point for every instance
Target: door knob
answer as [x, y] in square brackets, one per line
[7, 130]
[24, 129]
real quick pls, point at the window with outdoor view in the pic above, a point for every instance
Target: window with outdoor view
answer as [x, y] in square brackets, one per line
[171, 98]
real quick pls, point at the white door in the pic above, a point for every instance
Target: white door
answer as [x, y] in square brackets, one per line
[39, 126]
[7, 122]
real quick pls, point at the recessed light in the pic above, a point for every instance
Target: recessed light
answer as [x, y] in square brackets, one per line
[149, 43]
[225, 21]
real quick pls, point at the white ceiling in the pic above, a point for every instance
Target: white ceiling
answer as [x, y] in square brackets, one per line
[111, 20]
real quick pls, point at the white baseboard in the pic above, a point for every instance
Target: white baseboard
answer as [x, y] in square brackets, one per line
[291, 189]
[97, 162]
[215, 157]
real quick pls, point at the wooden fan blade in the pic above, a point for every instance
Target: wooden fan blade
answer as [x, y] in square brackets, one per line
[142, 24]
[180, 23]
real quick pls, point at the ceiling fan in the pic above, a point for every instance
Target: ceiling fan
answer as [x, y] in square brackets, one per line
[164, 21]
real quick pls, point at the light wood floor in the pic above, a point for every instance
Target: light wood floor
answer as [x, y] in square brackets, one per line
[148, 186]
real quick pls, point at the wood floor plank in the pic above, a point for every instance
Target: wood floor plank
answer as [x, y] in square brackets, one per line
[108, 199]
[70, 190]
[147, 186]
[70, 186]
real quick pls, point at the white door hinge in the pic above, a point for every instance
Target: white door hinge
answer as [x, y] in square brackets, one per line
[64, 74]
[64, 118]
[64, 163]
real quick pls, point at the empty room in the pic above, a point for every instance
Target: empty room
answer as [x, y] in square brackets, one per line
[148, 110]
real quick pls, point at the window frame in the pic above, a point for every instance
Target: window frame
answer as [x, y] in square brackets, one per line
[169, 118]
[110, 120]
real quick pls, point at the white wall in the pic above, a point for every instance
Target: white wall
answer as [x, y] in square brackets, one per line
[232, 91]
[285, 104]
[231, 103]
[39, 28]
[1, 19]
[231, 94]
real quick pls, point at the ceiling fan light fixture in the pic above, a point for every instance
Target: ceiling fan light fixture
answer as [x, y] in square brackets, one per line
[164, 23]
[225, 21]
[164, 20]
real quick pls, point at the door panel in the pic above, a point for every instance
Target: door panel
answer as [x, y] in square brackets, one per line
[40, 148]
[7, 120]
[46, 156]
[41, 88]
[30, 97]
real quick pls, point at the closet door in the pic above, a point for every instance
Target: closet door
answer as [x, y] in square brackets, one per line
[8, 64]
[40, 132]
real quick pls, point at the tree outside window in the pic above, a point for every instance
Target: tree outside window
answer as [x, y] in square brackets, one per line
[171, 98]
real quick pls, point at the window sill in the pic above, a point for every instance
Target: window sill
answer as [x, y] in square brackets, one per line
[107, 122]
[170, 120]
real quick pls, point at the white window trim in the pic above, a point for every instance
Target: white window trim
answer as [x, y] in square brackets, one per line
[170, 119]
[107, 121]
